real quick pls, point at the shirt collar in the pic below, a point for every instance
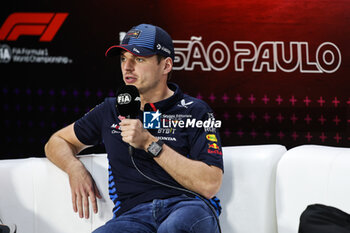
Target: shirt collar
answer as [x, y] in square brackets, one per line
[165, 104]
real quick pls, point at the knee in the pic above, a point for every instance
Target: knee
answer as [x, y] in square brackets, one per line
[205, 225]
[192, 223]
[124, 226]
[173, 225]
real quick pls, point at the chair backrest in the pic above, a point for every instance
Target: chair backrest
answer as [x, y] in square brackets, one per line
[307, 175]
[35, 195]
[248, 189]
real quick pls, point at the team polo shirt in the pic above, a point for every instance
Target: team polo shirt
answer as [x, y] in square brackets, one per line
[127, 187]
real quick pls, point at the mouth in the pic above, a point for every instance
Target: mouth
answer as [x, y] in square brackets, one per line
[130, 79]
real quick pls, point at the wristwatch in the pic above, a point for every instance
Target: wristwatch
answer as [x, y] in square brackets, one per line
[155, 148]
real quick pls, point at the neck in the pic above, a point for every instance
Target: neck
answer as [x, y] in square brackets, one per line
[155, 96]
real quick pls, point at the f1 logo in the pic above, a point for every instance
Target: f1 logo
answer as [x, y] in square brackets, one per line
[45, 25]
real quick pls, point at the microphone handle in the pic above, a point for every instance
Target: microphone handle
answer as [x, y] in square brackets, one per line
[131, 148]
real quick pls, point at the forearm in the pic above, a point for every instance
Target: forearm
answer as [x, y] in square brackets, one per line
[61, 149]
[61, 153]
[194, 175]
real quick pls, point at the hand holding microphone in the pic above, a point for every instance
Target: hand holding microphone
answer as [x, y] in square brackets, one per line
[128, 104]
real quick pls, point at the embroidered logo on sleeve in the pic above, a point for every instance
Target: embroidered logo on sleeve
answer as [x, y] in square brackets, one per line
[213, 148]
[211, 137]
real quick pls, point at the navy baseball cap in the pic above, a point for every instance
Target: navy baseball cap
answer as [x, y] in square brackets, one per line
[145, 40]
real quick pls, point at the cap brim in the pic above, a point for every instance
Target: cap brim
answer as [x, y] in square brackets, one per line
[135, 50]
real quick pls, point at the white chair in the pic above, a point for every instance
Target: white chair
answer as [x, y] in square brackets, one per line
[248, 189]
[35, 194]
[307, 175]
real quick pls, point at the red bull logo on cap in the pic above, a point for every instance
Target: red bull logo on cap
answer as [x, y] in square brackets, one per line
[133, 33]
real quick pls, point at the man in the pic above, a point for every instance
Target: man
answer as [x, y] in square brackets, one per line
[185, 158]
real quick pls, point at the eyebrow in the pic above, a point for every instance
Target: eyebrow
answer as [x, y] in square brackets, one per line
[132, 55]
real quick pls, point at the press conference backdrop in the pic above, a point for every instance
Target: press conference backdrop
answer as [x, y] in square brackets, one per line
[273, 71]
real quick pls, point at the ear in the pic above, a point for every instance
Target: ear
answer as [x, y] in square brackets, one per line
[168, 65]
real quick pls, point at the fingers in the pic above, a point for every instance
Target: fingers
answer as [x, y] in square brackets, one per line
[80, 206]
[97, 192]
[74, 202]
[128, 128]
[126, 121]
[94, 203]
[81, 203]
[86, 206]
[93, 194]
[133, 132]
[84, 188]
[130, 124]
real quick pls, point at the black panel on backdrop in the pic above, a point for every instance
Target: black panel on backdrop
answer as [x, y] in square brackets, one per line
[53, 68]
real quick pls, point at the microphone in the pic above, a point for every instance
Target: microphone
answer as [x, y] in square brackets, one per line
[128, 101]
[128, 104]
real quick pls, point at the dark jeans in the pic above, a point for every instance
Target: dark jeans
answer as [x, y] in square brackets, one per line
[176, 214]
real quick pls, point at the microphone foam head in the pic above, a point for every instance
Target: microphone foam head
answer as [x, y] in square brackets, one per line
[128, 101]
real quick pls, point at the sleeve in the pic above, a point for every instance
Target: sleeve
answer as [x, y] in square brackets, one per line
[205, 142]
[88, 128]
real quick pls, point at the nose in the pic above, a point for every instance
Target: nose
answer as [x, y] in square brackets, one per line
[128, 65]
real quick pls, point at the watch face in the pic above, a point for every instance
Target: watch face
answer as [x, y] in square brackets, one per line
[154, 149]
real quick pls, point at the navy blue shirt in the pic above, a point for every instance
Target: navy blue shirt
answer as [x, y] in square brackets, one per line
[127, 187]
